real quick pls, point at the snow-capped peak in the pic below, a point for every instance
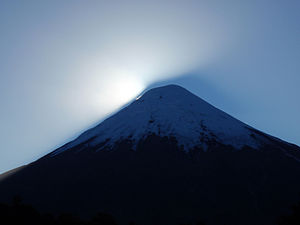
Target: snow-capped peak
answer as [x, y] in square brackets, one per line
[169, 111]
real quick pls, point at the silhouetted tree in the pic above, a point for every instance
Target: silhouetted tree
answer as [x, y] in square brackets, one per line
[69, 219]
[200, 223]
[102, 219]
[132, 223]
[48, 219]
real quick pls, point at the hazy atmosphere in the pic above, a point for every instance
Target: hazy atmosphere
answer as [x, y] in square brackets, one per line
[67, 65]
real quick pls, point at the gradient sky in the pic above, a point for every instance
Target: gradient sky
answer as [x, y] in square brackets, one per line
[66, 65]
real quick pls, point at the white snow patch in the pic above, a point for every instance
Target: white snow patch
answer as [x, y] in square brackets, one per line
[169, 111]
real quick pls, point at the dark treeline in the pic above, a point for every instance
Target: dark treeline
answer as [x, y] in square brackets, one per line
[18, 213]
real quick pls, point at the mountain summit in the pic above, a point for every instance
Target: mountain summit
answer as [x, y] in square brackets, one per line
[167, 158]
[169, 111]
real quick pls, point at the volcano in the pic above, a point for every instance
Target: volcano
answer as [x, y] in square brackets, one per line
[167, 158]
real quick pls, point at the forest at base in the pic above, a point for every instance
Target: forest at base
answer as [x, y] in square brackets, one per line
[18, 213]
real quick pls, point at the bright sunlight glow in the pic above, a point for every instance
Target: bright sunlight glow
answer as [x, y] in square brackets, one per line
[126, 89]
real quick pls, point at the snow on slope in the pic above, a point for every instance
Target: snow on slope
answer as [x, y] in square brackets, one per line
[169, 111]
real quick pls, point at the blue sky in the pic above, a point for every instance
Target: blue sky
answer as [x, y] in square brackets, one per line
[66, 65]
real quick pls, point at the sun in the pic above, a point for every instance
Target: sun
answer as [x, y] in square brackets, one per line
[122, 89]
[126, 89]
